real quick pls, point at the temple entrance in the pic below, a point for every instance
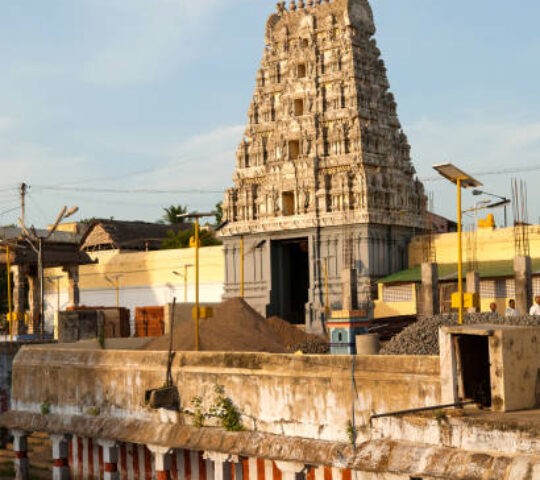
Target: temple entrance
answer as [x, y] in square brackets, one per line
[290, 279]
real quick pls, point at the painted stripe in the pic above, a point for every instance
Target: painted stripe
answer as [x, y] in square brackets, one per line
[129, 460]
[100, 461]
[310, 475]
[136, 468]
[187, 464]
[194, 462]
[276, 472]
[210, 473]
[180, 463]
[95, 468]
[85, 457]
[70, 454]
[245, 468]
[174, 466]
[123, 462]
[141, 462]
[90, 457]
[147, 464]
[346, 474]
[253, 468]
[202, 466]
[261, 470]
[80, 457]
[336, 473]
[327, 473]
[75, 463]
[268, 470]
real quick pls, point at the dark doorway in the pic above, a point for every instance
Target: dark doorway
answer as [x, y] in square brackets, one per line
[472, 353]
[290, 279]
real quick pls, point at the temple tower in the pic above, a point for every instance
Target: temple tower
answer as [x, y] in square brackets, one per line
[323, 179]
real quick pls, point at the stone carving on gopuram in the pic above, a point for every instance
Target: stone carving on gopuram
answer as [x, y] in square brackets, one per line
[323, 153]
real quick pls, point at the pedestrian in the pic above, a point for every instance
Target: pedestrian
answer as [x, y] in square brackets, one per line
[535, 309]
[493, 307]
[511, 310]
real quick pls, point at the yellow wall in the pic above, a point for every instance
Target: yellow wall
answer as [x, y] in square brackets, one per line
[491, 244]
[384, 309]
[145, 268]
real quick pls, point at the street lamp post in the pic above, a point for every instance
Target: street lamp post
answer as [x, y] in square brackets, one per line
[114, 280]
[185, 277]
[461, 180]
[196, 216]
[503, 202]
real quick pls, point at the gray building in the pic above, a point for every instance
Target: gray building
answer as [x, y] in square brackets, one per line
[323, 180]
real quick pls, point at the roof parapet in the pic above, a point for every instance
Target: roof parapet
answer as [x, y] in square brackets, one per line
[302, 4]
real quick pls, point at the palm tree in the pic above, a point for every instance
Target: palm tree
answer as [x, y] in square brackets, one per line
[172, 213]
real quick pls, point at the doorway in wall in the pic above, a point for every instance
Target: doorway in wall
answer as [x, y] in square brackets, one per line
[472, 358]
[290, 279]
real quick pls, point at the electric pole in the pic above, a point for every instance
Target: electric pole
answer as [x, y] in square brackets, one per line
[23, 199]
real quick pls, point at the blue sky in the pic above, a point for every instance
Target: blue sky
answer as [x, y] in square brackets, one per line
[153, 94]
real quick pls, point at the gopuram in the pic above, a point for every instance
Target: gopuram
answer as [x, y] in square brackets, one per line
[324, 182]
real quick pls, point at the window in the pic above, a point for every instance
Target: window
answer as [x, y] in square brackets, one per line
[299, 107]
[301, 70]
[287, 199]
[294, 149]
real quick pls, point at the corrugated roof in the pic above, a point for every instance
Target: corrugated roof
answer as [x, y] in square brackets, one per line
[449, 271]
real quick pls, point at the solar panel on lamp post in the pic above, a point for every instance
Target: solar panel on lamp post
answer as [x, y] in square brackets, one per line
[461, 180]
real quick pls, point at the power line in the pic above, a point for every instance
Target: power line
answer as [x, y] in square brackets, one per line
[130, 190]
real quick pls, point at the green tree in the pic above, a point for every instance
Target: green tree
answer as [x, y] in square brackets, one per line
[219, 213]
[172, 213]
[181, 239]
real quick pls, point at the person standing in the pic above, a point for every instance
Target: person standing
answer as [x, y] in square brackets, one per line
[511, 310]
[492, 307]
[535, 309]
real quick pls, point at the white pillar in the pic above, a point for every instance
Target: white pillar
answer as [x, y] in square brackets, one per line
[60, 450]
[222, 464]
[110, 459]
[291, 470]
[20, 448]
[162, 461]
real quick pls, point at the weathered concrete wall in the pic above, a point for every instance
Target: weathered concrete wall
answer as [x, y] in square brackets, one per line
[514, 356]
[303, 396]
[8, 351]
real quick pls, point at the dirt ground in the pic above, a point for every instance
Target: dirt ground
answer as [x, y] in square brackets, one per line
[39, 454]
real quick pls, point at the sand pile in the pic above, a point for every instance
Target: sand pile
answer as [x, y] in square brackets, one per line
[235, 327]
[422, 337]
[295, 339]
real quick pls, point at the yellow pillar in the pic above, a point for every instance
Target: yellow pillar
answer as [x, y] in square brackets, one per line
[197, 310]
[185, 283]
[460, 254]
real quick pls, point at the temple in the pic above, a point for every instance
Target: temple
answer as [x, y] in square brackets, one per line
[324, 181]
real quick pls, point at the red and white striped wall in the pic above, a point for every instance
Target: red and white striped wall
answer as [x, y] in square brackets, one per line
[136, 462]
